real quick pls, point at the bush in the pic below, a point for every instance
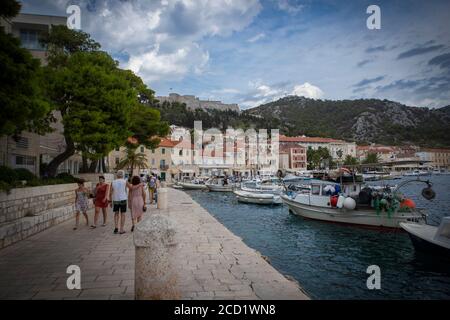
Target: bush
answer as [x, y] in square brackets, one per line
[8, 175]
[24, 174]
[66, 178]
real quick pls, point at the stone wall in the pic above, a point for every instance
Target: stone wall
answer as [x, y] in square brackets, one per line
[26, 211]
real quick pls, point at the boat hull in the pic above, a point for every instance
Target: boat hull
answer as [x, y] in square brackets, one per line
[423, 239]
[192, 186]
[264, 199]
[356, 217]
[219, 188]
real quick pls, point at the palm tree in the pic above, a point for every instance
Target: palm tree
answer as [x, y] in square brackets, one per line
[371, 158]
[133, 160]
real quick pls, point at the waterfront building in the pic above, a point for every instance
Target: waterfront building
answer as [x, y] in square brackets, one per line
[293, 158]
[30, 150]
[339, 149]
[438, 158]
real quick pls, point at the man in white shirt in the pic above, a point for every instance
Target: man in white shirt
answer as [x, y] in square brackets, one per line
[118, 195]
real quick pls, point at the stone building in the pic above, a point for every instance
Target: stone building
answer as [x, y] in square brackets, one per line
[194, 103]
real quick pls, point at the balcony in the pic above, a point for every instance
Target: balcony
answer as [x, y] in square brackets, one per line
[164, 167]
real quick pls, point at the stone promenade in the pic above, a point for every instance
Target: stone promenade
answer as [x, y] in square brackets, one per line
[213, 263]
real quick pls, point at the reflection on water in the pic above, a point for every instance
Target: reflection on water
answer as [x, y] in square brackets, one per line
[330, 260]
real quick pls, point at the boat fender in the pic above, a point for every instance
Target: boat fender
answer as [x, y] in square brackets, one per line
[349, 203]
[333, 201]
[340, 202]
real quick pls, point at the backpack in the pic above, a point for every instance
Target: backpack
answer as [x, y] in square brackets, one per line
[152, 182]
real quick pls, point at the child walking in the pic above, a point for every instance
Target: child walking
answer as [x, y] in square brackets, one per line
[81, 203]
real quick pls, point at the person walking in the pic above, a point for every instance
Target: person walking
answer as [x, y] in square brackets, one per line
[136, 200]
[118, 196]
[100, 200]
[152, 187]
[81, 203]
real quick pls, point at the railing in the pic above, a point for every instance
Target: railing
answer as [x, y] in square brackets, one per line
[164, 167]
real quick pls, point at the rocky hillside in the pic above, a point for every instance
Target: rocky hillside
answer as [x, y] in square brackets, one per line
[365, 121]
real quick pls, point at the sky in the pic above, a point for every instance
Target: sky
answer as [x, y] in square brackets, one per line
[256, 51]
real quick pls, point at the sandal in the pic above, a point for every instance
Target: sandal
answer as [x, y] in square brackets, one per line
[121, 232]
[132, 228]
[93, 227]
[75, 228]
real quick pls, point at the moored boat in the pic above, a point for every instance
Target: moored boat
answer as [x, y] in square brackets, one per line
[220, 184]
[257, 198]
[430, 239]
[353, 203]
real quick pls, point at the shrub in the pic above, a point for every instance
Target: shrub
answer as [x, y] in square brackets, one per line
[8, 175]
[66, 178]
[24, 174]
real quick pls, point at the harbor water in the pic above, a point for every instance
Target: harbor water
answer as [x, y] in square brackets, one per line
[330, 260]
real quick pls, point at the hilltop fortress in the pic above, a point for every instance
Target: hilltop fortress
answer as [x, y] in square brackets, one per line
[193, 102]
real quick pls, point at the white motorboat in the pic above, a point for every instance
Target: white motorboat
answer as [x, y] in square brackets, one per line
[416, 173]
[353, 203]
[430, 239]
[257, 198]
[220, 184]
[262, 187]
[192, 184]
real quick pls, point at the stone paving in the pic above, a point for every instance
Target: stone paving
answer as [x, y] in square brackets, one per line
[216, 264]
[213, 263]
[35, 268]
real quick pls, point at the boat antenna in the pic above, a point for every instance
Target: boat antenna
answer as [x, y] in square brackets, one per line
[427, 192]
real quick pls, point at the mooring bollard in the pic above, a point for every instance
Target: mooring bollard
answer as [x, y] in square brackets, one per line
[155, 275]
[162, 198]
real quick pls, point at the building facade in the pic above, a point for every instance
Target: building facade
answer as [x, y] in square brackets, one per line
[29, 150]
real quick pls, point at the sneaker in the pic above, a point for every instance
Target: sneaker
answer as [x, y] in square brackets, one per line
[116, 230]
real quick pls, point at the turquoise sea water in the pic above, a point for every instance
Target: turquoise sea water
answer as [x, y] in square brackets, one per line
[330, 260]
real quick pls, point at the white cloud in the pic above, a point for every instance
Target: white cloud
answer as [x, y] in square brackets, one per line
[308, 90]
[153, 65]
[287, 5]
[257, 37]
[162, 38]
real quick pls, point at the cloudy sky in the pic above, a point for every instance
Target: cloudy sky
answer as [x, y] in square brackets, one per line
[254, 51]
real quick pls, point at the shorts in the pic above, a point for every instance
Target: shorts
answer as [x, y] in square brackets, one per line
[120, 206]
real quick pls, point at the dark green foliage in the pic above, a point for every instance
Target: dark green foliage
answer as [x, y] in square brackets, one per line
[66, 177]
[23, 106]
[7, 175]
[24, 174]
[9, 8]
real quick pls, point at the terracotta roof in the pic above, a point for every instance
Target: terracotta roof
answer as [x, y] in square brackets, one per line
[284, 138]
[167, 143]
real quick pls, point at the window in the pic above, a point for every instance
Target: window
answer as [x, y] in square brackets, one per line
[142, 149]
[153, 162]
[117, 161]
[117, 149]
[22, 143]
[163, 151]
[153, 150]
[315, 189]
[180, 152]
[30, 39]
[25, 161]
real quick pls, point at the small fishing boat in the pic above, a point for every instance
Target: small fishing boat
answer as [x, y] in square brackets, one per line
[257, 198]
[220, 184]
[267, 187]
[430, 239]
[192, 184]
[351, 201]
